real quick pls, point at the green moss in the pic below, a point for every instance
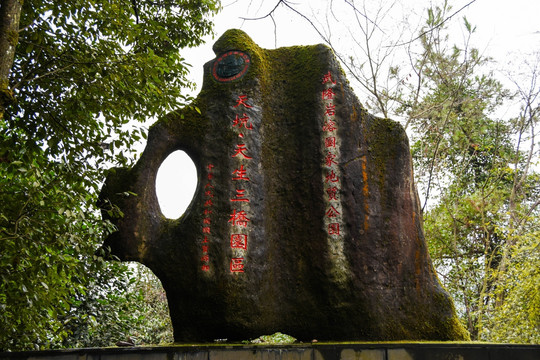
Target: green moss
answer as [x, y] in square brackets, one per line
[367, 344]
[6, 94]
[188, 121]
[274, 339]
[386, 139]
[450, 326]
[288, 84]
[13, 37]
[439, 322]
[235, 39]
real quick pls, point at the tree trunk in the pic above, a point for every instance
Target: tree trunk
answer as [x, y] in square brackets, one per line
[10, 14]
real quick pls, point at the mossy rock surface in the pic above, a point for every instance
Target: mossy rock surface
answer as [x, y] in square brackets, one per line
[306, 219]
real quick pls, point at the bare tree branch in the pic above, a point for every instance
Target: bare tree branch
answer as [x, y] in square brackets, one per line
[270, 14]
[436, 26]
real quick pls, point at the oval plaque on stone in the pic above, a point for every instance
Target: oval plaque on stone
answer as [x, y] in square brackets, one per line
[231, 66]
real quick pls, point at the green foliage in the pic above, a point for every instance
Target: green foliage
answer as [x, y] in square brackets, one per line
[46, 234]
[517, 318]
[482, 221]
[84, 69]
[274, 339]
[122, 302]
[82, 73]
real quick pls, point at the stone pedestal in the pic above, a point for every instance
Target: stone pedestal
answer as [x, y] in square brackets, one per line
[342, 351]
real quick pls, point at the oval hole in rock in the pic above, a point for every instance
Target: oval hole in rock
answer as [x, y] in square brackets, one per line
[176, 182]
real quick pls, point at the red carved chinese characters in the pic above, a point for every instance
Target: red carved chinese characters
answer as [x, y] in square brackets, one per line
[240, 150]
[330, 142]
[327, 78]
[240, 195]
[237, 265]
[332, 177]
[242, 121]
[242, 100]
[332, 212]
[332, 193]
[328, 94]
[239, 222]
[207, 221]
[239, 218]
[333, 229]
[208, 202]
[329, 126]
[240, 174]
[239, 241]
[330, 110]
[330, 159]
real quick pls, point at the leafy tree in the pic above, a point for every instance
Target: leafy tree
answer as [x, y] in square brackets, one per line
[517, 317]
[43, 230]
[81, 73]
[123, 302]
[483, 183]
[514, 315]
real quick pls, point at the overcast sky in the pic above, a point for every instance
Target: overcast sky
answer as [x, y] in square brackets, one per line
[505, 30]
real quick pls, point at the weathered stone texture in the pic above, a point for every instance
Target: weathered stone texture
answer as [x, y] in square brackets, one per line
[333, 246]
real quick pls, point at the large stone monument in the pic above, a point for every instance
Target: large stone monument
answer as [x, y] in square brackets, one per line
[305, 219]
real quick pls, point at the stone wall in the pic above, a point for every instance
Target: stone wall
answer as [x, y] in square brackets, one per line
[384, 351]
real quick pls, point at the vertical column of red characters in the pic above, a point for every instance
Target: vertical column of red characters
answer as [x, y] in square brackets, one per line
[206, 222]
[331, 175]
[238, 220]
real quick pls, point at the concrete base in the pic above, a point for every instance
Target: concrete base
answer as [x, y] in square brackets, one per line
[317, 351]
